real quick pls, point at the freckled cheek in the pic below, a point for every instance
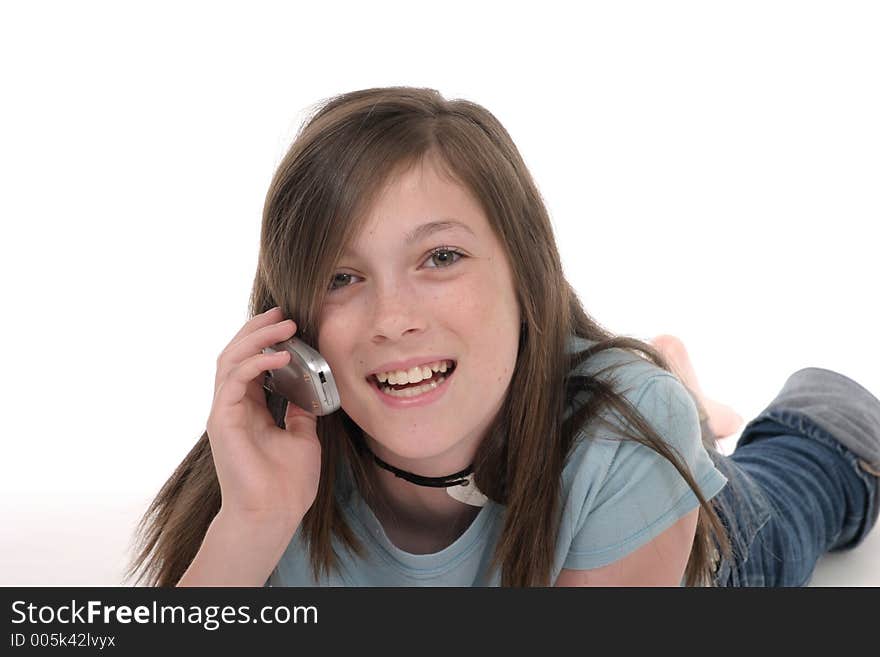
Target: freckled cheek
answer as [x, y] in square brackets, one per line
[499, 318]
[332, 338]
[490, 303]
[466, 308]
[488, 321]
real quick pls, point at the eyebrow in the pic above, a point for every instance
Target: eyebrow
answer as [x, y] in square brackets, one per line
[427, 229]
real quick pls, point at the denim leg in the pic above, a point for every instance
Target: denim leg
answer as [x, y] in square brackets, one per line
[813, 499]
[802, 480]
[821, 404]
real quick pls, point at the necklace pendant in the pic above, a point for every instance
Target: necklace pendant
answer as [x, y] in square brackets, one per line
[467, 492]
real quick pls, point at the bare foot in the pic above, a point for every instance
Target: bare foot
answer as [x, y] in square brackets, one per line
[723, 420]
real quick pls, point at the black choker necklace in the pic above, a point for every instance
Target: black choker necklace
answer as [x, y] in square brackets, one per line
[457, 479]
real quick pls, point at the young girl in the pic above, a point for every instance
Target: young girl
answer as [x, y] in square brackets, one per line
[491, 432]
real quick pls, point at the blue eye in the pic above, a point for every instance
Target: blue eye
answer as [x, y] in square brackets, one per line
[449, 261]
[444, 249]
[336, 278]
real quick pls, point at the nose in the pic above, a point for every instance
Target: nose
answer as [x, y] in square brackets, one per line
[398, 309]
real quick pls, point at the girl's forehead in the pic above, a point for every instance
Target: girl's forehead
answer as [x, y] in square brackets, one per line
[412, 236]
[414, 204]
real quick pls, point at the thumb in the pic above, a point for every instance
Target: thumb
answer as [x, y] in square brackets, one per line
[297, 420]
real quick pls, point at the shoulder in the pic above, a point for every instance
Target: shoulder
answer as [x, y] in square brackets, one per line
[631, 375]
[626, 366]
[619, 493]
[600, 445]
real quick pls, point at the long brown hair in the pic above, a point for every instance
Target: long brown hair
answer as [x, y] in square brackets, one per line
[343, 155]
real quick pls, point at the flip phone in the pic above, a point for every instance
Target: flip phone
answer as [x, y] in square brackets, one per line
[306, 380]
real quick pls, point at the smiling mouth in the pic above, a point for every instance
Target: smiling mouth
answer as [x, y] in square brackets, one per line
[413, 389]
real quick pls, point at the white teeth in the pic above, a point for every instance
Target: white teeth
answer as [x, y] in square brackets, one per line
[417, 374]
[414, 374]
[412, 392]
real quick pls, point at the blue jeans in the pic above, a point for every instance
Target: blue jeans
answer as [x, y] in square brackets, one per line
[795, 491]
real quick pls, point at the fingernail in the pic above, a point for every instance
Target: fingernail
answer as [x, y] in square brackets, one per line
[270, 310]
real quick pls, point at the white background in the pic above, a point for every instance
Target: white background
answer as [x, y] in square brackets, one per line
[711, 170]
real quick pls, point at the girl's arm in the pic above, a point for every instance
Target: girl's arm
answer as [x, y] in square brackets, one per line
[239, 551]
[661, 562]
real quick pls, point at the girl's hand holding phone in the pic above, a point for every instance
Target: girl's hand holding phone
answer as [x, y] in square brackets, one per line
[266, 473]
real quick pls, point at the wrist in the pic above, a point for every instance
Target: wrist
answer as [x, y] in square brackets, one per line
[240, 549]
[285, 520]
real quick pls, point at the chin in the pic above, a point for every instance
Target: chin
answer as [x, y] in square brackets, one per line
[406, 448]
[412, 444]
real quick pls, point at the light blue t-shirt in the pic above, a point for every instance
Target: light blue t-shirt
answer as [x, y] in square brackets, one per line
[617, 495]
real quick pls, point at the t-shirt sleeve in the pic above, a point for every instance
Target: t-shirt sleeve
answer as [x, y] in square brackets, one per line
[630, 493]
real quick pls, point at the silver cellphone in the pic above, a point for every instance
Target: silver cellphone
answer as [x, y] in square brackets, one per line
[306, 380]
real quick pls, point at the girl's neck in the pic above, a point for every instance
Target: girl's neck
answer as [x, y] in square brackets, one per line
[417, 523]
[425, 515]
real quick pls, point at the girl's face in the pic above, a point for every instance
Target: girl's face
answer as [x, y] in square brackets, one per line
[396, 299]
